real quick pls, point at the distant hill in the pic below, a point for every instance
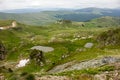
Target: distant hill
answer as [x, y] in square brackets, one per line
[29, 18]
[46, 17]
[106, 21]
[89, 13]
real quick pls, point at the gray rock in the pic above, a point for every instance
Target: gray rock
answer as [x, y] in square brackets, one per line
[88, 45]
[43, 48]
[84, 65]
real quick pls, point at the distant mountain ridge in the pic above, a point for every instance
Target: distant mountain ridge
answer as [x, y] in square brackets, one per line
[50, 16]
[105, 21]
[32, 10]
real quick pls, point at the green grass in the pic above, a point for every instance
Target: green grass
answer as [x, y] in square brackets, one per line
[4, 23]
[18, 43]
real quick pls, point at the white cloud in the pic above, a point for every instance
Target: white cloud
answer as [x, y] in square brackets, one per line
[19, 4]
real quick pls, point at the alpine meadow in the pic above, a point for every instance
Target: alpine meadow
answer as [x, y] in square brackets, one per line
[59, 40]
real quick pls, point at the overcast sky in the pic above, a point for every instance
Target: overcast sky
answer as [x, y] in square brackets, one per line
[20, 4]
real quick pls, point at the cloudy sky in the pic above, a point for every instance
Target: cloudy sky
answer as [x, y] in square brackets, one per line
[20, 4]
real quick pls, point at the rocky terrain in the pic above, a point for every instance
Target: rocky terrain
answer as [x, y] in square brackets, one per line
[61, 51]
[85, 64]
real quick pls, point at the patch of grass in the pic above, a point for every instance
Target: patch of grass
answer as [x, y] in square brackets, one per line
[4, 23]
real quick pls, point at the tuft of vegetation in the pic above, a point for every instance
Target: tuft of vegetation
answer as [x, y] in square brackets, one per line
[110, 37]
[30, 77]
[3, 51]
[38, 56]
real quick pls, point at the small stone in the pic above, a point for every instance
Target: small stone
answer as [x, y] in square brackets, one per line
[88, 45]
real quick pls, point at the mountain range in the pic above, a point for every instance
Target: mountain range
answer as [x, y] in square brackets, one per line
[41, 17]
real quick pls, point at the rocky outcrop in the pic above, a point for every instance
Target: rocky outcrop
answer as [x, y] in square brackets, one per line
[2, 51]
[13, 25]
[110, 37]
[85, 64]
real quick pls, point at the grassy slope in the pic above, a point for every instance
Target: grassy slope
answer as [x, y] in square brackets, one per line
[106, 21]
[19, 43]
[5, 23]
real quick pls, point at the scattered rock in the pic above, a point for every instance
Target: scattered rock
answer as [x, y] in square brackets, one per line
[80, 49]
[112, 75]
[88, 45]
[83, 37]
[90, 36]
[64, 56]
[53, 78]
[100, 77]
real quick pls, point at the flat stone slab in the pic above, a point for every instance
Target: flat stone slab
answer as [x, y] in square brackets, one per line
[43, 48]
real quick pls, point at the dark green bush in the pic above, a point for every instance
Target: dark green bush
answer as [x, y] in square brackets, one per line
[110, 37]
[30, 77]
[23, 74]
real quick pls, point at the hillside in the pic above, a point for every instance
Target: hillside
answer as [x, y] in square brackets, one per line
[5, 22]
[30, 18]
[45, 17]
[75, 54]
[105, 21]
